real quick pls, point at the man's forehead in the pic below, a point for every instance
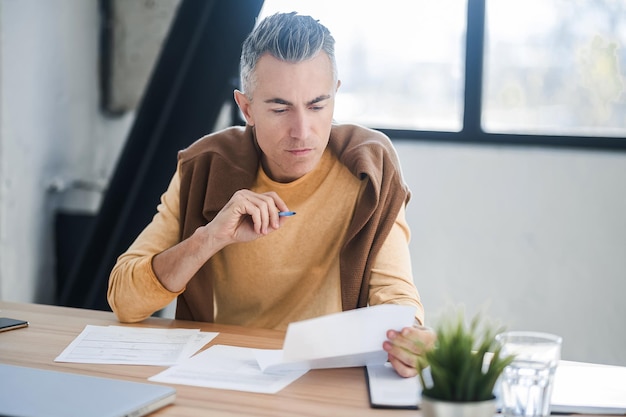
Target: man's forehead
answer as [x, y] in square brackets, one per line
[282, 82]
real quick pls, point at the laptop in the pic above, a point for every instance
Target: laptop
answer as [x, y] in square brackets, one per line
[587, 388]
[30, 392]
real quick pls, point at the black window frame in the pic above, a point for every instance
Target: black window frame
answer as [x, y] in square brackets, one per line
[472, 131]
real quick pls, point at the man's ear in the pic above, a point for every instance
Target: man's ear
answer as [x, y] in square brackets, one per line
[244, 105]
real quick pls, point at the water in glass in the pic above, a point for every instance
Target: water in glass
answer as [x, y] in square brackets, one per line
[526, 388]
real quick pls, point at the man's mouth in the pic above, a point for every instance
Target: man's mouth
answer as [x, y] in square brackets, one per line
[299, 152]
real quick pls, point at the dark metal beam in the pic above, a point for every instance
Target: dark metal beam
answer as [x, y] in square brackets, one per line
[474, 57]
[191, 81]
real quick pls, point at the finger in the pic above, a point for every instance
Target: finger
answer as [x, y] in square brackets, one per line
[277, 206]
[414, 339]
[404, 348]
[271, 210]
[262, 208]
[245, 206]
[401, 368]
[257, 222]
[426, 335]
[402, 357]
[264, 214]
[403, 340]
[259, 207]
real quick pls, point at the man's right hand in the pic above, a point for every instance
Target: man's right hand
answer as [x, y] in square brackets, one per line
[246, 217]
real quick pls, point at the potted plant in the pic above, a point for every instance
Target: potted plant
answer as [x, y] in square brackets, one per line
[459, 373]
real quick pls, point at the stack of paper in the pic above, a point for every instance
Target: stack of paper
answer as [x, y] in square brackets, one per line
[351, 338]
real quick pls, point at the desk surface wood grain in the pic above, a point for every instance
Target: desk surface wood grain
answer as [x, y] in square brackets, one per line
[320, 392]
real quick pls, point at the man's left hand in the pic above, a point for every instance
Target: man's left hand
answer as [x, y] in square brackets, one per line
[405, 346]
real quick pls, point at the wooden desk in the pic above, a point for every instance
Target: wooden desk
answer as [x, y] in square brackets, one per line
[320, 392]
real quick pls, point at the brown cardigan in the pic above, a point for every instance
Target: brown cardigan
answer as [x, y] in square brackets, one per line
[217, 165]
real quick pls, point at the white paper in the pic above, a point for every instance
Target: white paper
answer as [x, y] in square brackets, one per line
[272, 360]
[589, 388]
[197, 343]
[228, 367]
[346, 339]
[134, 345]
[388, 389]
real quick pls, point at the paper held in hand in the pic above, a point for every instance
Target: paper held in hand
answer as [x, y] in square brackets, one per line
[346, 339]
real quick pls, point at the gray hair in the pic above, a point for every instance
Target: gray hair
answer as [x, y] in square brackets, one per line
[289, 37]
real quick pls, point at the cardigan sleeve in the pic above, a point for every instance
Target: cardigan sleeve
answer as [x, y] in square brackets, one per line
[391, 280]
[134, 292]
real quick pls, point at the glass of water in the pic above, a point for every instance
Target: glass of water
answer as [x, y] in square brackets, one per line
[526, 384]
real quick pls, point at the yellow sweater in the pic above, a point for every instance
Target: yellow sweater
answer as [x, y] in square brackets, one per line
[257, 283]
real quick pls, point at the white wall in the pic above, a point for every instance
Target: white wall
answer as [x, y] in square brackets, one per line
[51, 134]
[538, 236]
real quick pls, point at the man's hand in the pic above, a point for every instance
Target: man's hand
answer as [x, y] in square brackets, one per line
[246, 217]
[404, 348]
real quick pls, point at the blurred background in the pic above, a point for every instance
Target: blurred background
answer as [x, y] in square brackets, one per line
[509, 118]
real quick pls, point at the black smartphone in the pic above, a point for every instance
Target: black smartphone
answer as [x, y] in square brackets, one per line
[10, 324]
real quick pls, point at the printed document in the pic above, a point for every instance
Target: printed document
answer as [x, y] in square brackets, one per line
[134, 345]
[228, 367]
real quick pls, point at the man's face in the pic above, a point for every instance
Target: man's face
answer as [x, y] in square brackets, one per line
[292, 110]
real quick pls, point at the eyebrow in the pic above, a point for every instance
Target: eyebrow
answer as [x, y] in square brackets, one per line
[277, 100]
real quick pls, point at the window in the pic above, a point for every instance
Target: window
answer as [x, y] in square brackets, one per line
[400, 62]
[547, 72]
[555, 67]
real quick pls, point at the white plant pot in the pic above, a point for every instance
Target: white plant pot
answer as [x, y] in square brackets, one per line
[437, 408]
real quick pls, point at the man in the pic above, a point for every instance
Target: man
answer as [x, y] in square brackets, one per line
[218, 242]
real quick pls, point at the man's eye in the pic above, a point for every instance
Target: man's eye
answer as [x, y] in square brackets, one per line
[317, 108]
[278, 111]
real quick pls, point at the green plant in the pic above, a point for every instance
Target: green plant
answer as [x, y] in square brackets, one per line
[465, 363]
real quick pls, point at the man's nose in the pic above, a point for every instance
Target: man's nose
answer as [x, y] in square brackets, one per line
[300, 125]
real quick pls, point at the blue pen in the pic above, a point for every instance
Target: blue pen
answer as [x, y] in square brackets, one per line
[286, 213]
